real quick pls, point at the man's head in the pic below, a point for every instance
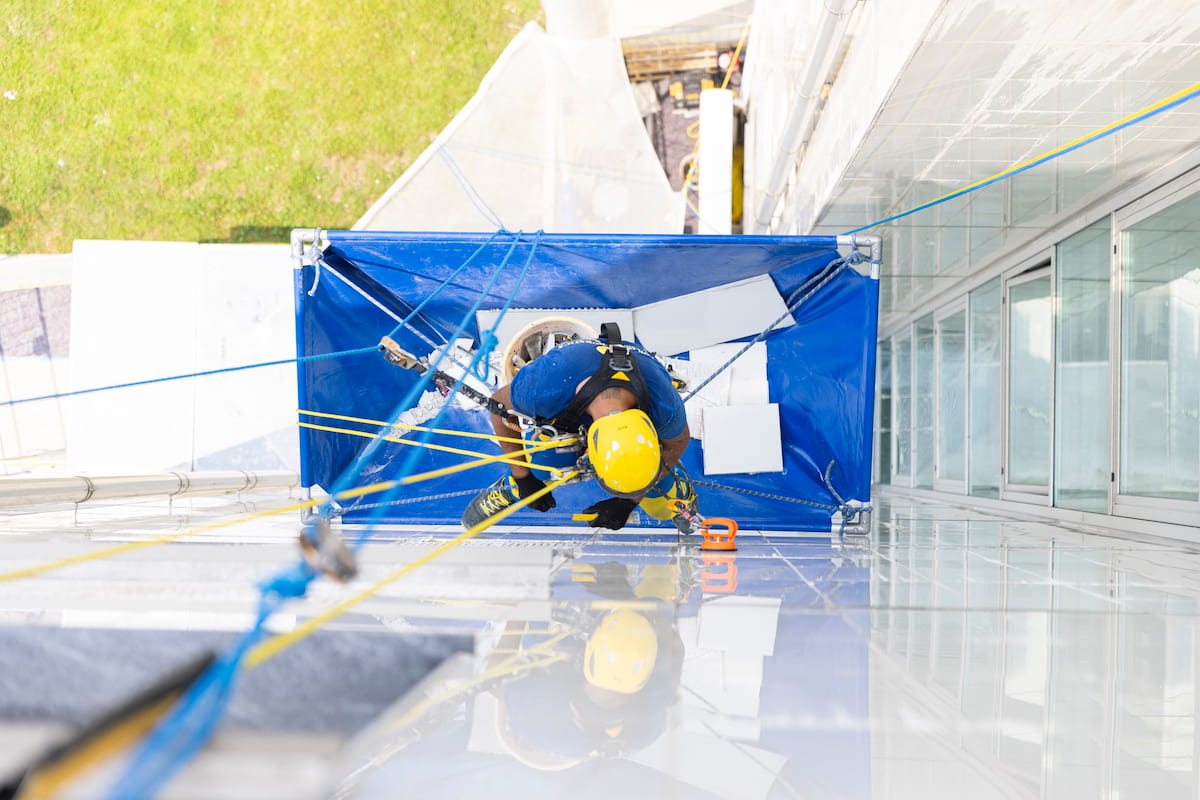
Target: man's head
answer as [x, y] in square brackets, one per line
[622, 444]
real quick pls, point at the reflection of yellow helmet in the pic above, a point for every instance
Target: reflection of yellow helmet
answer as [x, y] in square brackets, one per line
[620, 654]
[624, 451]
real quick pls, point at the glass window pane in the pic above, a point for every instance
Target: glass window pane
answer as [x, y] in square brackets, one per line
[923, 376]
[883, 450]
[953, 232]
[1029, 348]
[1032, 193]
[987, 221]
[1081, 387]
[902, 422]
[952, 406]
[984, 390]
[1160, 355]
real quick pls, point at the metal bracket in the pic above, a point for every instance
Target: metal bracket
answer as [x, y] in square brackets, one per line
[870, 247]
[307, 245]
[856, 521]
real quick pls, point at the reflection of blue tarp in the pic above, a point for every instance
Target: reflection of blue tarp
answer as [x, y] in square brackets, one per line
[821, 370]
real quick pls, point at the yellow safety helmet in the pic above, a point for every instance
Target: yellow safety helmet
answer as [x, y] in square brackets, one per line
[620, 654]
[624, 451]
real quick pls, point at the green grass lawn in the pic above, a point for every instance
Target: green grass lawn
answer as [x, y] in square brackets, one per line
[224, 120]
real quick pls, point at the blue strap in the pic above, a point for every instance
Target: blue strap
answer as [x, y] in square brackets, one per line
[181, 734]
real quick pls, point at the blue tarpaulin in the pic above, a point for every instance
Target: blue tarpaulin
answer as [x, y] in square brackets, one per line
[820, 370]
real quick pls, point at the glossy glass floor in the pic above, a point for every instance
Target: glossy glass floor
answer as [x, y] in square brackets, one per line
[950, 654]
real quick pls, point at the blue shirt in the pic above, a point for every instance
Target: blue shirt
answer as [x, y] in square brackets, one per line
[545, 386]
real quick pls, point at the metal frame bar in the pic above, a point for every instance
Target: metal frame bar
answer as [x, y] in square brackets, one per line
[1008, 490]
[906, 337]
[941, 484]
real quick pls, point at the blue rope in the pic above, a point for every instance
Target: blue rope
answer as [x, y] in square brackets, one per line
[817, 280]
[351, 473]
[180, 735]
[445, 283]
[846, 509]
[1041, 160]
[301, 359]
[488, 338]
[410, 461]
[469, 189]
[298, 360]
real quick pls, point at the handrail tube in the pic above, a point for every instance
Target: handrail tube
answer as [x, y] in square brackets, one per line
[82, 488]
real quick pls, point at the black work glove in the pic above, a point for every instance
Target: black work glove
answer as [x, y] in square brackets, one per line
[530, 484]
[612, 513]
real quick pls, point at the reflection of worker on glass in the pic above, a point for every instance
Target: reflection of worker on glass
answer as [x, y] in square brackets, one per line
[635, 422]
[616, 677]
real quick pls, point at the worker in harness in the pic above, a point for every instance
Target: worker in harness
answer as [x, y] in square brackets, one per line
[636, 429]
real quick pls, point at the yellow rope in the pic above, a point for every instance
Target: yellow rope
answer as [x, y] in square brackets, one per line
[511, 665]
[380, 423]
[500, 459]
[415, 713]
[1099, 131]
[736, 53]
[1049, 154]
[724, 83]
[49, 780]
[273, 647]
[498, 671]
[25, 572]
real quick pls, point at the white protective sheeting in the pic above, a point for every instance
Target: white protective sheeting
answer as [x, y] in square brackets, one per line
[742, 439]
[553, 140]
[148, 310]
[711, 316]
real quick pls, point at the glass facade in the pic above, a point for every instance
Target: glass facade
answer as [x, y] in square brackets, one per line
[1082, 396]
[1027, 376]
[1160, 355]
[983, 390]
